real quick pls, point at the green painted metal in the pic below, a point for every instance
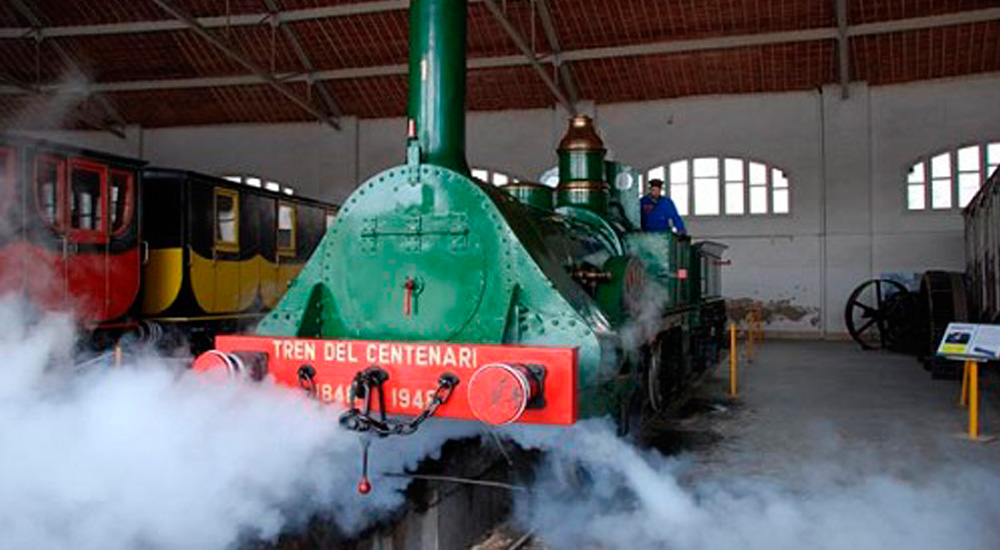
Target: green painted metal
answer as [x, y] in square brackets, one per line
[487, 269]
[437, 81]
[593, 198]
[532, 194]
[657, 250]
[585, 165]
[625, 194]
[621, 296]
[681, 264]
[423, 252]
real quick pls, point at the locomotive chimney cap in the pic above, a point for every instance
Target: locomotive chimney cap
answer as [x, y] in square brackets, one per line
[581, 136]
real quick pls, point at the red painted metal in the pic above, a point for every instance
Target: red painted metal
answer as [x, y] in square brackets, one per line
[499, 393]
[414, 369]
[96, 287]
[408, 288]
[128, 197]
[96, 235]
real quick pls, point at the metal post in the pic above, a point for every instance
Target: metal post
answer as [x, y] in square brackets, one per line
[732, 359]
[117, 356]
[973, 399]
[963, 400]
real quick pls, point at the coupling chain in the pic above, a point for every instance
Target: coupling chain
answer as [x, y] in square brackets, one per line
[368, 385]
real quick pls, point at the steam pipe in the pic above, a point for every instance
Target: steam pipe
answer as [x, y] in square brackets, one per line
[437, 81]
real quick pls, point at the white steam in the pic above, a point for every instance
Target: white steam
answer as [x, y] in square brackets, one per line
[51, 111]
[154, 457]
[600, 492]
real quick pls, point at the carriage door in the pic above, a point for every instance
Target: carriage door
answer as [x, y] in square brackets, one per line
[226, 251]
[45, 263]
[86, 253]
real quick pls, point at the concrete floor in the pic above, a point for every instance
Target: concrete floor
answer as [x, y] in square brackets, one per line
[804, 404]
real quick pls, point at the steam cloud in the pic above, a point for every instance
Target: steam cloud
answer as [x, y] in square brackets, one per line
[600, 492]
[154, 457]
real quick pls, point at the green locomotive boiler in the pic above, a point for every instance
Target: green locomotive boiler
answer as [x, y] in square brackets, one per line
[437, 294]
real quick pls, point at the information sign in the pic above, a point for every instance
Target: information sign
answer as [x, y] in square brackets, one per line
[969, 341]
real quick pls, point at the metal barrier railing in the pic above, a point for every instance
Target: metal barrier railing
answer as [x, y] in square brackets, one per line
[754, 321]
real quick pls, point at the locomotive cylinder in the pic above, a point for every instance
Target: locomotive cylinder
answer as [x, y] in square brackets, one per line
[582, 181]
[437, 81]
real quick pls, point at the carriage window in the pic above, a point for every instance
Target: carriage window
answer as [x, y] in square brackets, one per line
[227, 218]
[286, 228]
[86, 206]
[121, 200]
[49, 172]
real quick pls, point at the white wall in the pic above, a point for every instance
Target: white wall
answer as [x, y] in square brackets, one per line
[846, 159]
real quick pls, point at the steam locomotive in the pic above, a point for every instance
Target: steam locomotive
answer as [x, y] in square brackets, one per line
[437, 294]
[128, 248]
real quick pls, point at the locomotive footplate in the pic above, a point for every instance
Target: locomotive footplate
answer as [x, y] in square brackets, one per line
[495, 384]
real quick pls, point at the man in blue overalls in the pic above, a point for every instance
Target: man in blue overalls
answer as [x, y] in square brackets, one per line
[659, 212]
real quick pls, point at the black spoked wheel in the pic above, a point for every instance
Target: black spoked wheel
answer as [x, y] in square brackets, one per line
[875, 312]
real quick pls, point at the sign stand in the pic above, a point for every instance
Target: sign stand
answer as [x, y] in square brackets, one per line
[972, 344]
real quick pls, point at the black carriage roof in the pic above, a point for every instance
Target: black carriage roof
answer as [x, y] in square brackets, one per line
[154, 172]
[22, 141]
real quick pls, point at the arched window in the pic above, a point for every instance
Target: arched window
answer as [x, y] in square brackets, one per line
[951, 178]
[713, 186]
[493, 176]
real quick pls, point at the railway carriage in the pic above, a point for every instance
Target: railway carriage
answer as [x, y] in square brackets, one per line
[125, 247]
[221, 254]
[70, 228]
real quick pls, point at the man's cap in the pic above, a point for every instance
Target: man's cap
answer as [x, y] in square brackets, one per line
[656, 183]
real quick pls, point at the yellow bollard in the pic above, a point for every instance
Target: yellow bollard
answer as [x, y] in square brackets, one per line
[964, 399]
[732, 359]
[973, 367]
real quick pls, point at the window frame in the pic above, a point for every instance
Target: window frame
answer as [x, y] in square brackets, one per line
[954, 173]
[723, 182]
[288, 251]
[58, 216]
[86, 235]
[219, 244]
[129, 210]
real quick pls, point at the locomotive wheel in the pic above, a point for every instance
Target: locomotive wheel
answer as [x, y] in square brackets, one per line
[662, 374]
[868, 314]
